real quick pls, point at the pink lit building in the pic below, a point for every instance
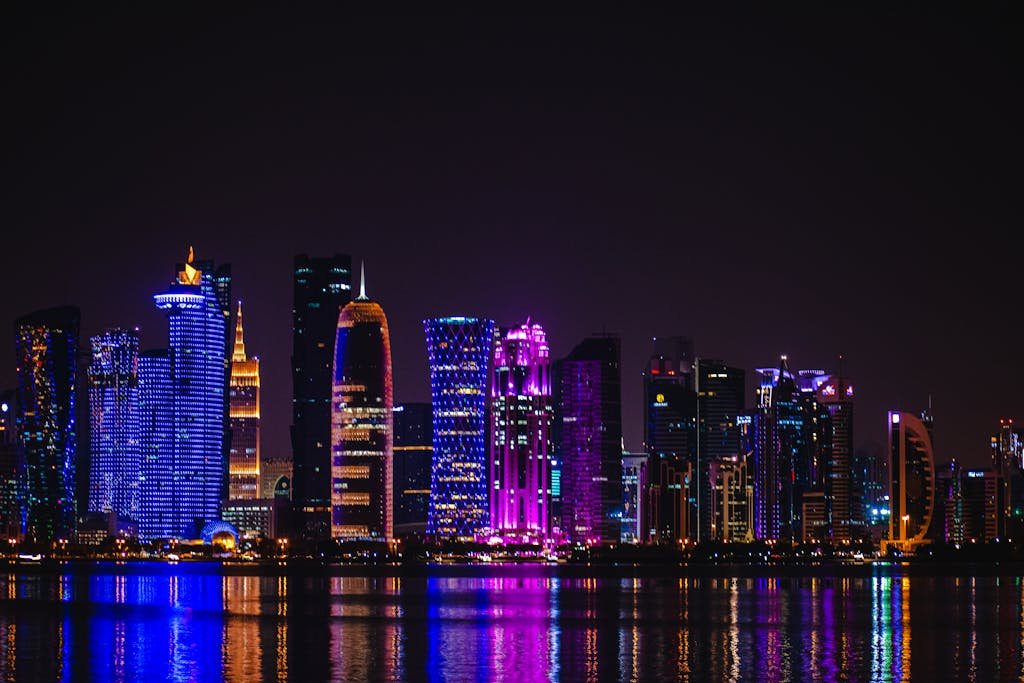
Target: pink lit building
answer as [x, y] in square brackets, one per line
[521, 417]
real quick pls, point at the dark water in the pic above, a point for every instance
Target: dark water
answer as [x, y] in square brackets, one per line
[192, 622]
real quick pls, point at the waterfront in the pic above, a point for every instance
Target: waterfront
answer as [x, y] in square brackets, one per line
[204, 622]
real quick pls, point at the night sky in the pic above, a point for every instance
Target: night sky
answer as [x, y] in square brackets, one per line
[798, 182]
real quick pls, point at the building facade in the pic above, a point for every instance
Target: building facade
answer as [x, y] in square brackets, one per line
[10, 501]
[842, 511]
[198, 391]
[321, 287]
[912, 485]
[459, 352]
[362, 497]
[413, 453]
[157, 500]
[114, 445]
[591, 435]
[521, 417]
[244, 413]
[46, 347]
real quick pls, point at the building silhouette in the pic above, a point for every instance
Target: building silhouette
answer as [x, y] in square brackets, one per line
[912, 487]
[413, 453]
[361, 428]
[46, 347]
[459, 352]
[321, 287]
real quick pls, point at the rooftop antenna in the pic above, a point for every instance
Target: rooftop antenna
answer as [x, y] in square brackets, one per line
[362, 281]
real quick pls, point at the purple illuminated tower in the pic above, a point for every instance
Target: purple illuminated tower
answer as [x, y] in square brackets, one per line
[591, 441]
[521, 415]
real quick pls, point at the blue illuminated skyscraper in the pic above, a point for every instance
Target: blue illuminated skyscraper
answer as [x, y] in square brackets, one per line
[459, 352]
[156, 422]
[46, 345]
[114, 467]
[198, 385]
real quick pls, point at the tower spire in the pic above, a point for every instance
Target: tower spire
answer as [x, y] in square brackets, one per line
[238, 354]
[362, 282]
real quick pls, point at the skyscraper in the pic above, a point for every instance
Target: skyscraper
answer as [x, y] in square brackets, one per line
[783, 467]
[115, 465]
[521, 416]
[157, 499]
[196, 345]
[244, 400]
[670, 439]
[413, 453]
[720, 391]
[320, 288]
[10, 503]
[46, 346]
[591, 450]
[842, 515]
[361, 428]
[459, 353]
[912, 484]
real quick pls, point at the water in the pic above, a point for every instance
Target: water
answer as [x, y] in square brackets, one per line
[197, 622]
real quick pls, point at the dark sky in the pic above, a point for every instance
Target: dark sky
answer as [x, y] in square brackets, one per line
[795, 182]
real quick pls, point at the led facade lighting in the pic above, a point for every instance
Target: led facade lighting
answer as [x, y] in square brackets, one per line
[521, 417]
[362, 432]
[244, 414]
[115, 465]
[46, 346]
[459, 353]
[198, 385]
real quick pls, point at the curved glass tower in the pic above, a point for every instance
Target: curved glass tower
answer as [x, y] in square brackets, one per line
[361, 424]
[193, 480]
[114, 423]
[459, 353]
[521, 428]
[912, 484]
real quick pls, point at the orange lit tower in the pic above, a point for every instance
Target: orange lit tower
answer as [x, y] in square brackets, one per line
[361, 424]
[244, 411]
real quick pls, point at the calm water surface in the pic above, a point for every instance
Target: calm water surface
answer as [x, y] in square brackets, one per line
[193, 623]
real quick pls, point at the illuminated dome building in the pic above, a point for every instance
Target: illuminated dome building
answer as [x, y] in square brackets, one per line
[361, 424]
[459, 353]
[521, 417]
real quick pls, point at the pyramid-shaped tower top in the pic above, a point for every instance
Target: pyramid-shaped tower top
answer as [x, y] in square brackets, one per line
[238, 354]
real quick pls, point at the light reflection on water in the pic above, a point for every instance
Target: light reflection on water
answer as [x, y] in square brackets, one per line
[189, 622]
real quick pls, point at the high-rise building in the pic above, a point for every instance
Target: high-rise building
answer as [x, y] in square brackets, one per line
[10, 507]
[275, 477]
[361, 429]
[114, 446]
[591, 433]
[634, 483]
[1007, 447]
[732, 498]
[521, 417]
[244, 400]
[912, 483]
[670, 440]
[459, 351]
[46, 345]
[842, 514]
[720, 391]
[413, 453]
[320, 288]
[786, 456]
[196, 345]
[157, 499]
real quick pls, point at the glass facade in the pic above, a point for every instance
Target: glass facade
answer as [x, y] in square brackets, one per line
[913, 482]
[591, 434]
[361, 425]
[413, 452]
[10, 501]
[196, 342]
[459, 353]
[156, 445]
[521, 417]
[114, 446]
[321, 286]
[46, 347]
[244, 413]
